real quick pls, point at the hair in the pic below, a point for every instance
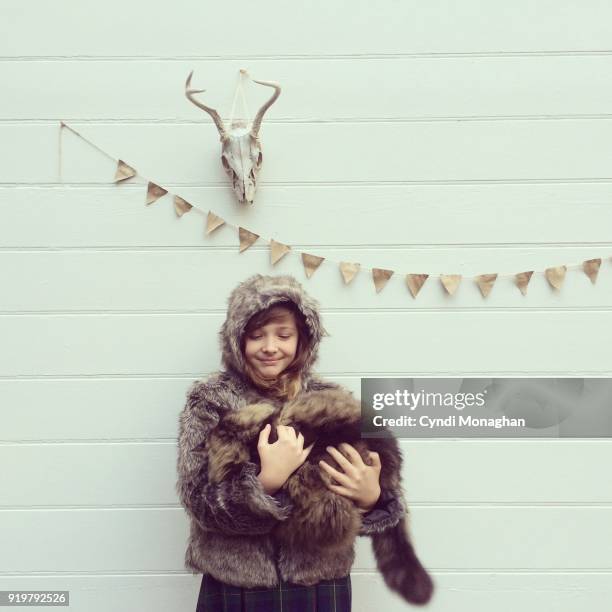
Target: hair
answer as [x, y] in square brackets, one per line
[288, 383]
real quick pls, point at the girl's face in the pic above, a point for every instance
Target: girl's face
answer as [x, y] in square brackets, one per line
[271, 348]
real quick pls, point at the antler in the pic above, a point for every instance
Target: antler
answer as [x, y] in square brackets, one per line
[260, 113]
[211, 111]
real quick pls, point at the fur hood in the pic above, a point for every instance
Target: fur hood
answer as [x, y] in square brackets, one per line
[254, 294]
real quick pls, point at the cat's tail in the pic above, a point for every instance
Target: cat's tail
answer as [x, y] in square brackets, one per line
[399, 565]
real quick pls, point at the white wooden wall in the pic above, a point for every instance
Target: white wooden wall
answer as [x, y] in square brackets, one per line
[434, 136]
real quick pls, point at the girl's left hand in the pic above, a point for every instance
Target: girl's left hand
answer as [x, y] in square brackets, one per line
[359, 482]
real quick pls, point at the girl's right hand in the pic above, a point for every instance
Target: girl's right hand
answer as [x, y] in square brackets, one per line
[281, 459]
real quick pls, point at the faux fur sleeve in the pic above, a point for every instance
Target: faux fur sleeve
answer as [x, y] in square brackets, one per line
[387, 512]
[235, 506]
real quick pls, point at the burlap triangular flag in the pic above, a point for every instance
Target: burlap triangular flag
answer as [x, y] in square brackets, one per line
[381, 277]
[311, 263]
[485, 283]
[154, 192]
[522, 280]
[555, 276]
[591, 268]
[348, 271]
[181, 206]
[277, 251]
[213, 222]
[414, 282]
[450, 282]
[123, 172]
[247, 238]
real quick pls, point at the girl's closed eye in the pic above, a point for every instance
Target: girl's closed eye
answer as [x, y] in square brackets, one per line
[258, 336]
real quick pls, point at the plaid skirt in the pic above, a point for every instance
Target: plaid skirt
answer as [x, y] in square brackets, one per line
[325, 596]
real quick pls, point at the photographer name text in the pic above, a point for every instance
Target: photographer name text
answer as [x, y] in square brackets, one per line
[454, 420]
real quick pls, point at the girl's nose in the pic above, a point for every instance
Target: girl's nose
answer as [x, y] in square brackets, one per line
[269, 346]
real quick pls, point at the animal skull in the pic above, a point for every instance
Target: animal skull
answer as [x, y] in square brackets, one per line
[240, 147]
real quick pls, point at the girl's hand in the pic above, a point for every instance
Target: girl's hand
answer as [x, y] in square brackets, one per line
[359, 482]
[281, 459]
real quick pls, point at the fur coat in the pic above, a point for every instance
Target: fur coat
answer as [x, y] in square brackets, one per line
[305, 532]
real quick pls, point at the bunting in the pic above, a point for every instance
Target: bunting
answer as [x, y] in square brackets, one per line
[311, 263]
[154, 192]
[380, 278]
[414, 282]
[522, 280]
[277, 251]
[123, 171]
[485, 283]
[591, 268]
[450, 282]
[348, 271]
[555, 275]
[213, 222]
[246, 238]
[181, 206]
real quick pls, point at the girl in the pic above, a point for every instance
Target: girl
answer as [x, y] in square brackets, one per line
[269, 343]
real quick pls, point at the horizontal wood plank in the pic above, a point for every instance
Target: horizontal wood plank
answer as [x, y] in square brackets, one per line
[115, 29]
[135, 280]
[462, 538]
[346, 88]
[422, 218]
[186, 344]
[521, 150]
[434, 471]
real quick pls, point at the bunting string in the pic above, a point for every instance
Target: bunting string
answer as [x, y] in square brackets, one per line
[555, 275]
